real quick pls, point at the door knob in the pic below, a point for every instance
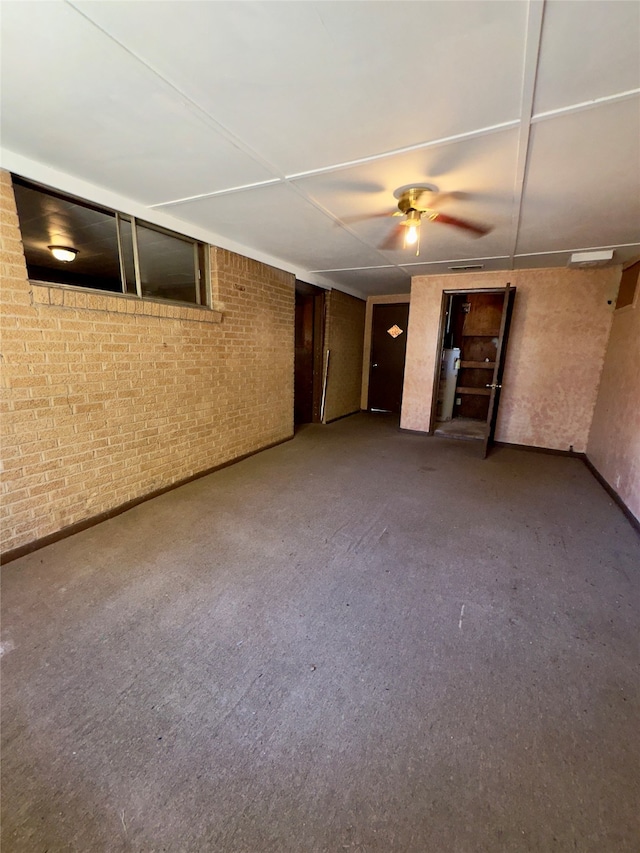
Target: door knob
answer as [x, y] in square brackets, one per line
[375, 364]
[493, 385]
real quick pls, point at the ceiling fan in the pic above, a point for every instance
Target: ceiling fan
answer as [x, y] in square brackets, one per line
[418, 202]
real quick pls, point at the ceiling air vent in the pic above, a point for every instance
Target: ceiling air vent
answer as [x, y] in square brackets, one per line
[591, 259]
[467, 267]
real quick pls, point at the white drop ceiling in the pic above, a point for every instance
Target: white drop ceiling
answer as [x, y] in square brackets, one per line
[271, 127]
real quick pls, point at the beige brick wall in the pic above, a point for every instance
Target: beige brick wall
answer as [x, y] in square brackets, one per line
[344, 337]
[107, 398]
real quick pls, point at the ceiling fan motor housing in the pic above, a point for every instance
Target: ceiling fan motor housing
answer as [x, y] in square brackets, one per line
[410, 198]
[413, 217]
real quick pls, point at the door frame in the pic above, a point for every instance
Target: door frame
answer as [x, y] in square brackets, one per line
[498, 370]
[441, 330]
[318, 295]
[368, 320]
[395, 304]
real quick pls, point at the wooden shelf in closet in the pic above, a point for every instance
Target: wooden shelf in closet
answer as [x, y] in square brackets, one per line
[481, 364]
[483, 392]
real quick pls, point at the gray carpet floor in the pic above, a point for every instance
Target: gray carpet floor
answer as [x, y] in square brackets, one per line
[360, 640]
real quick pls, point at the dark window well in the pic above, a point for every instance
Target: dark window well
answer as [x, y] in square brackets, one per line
[106, 250]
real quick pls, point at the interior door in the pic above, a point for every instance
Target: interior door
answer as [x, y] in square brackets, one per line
[388, 351]
[496, 382]
[309, 333]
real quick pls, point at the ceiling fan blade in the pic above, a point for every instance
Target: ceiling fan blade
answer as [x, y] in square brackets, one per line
[479, 230]
[435, 200]
[363, 217]
[393, 238]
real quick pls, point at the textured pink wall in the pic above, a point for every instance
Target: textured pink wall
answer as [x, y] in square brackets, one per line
[614, 441]
[559, 331]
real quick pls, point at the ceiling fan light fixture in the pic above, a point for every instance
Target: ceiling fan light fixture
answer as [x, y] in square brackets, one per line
[63, 253]
[411, 236]
[412, 229]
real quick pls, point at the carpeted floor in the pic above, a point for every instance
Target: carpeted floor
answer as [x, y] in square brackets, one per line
[361, 640]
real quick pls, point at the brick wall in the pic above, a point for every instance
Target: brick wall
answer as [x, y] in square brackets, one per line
[344, 337]
[107, 398]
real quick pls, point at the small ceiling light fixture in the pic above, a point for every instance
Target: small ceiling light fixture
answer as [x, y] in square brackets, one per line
[63, 253]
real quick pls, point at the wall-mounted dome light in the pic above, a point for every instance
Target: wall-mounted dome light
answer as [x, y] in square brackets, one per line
[63, 253]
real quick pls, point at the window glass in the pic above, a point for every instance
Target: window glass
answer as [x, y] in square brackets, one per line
[167, 265]
[109, 251]
[49, 220]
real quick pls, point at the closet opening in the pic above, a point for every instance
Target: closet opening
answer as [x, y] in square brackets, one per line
[473, 333]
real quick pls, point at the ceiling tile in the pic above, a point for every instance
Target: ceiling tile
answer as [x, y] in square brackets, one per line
[583, 181]
[277, 220]
[589, 50]
[75, 100]
[312, 84]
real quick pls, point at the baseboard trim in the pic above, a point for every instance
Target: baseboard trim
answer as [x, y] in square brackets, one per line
[531, 448]
[615, 497]
[86, 523]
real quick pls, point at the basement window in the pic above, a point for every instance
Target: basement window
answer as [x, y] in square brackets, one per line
[113, 251]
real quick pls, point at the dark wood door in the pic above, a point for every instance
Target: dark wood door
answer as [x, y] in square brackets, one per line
[495, 385]
[388, 351]
[303, 381]
[309, 336]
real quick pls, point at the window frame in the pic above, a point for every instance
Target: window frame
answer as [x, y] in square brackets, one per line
[201, 250]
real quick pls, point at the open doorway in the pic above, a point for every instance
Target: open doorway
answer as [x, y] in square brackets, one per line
[474, 333]
[309, 343]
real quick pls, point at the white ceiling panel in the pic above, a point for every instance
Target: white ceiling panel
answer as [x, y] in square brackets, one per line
[278, 217]
[74, 99]
[317, 83]
[590, 49]
[583, 184]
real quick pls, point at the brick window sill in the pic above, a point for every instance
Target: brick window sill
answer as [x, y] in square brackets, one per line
[68, 296]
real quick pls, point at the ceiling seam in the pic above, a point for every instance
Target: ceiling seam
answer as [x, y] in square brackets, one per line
[458, 261]
[402, 266]
[533, 41]
[216, 193]
[585, 105]
[419, 146]
[577, 249]
[349, 164]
